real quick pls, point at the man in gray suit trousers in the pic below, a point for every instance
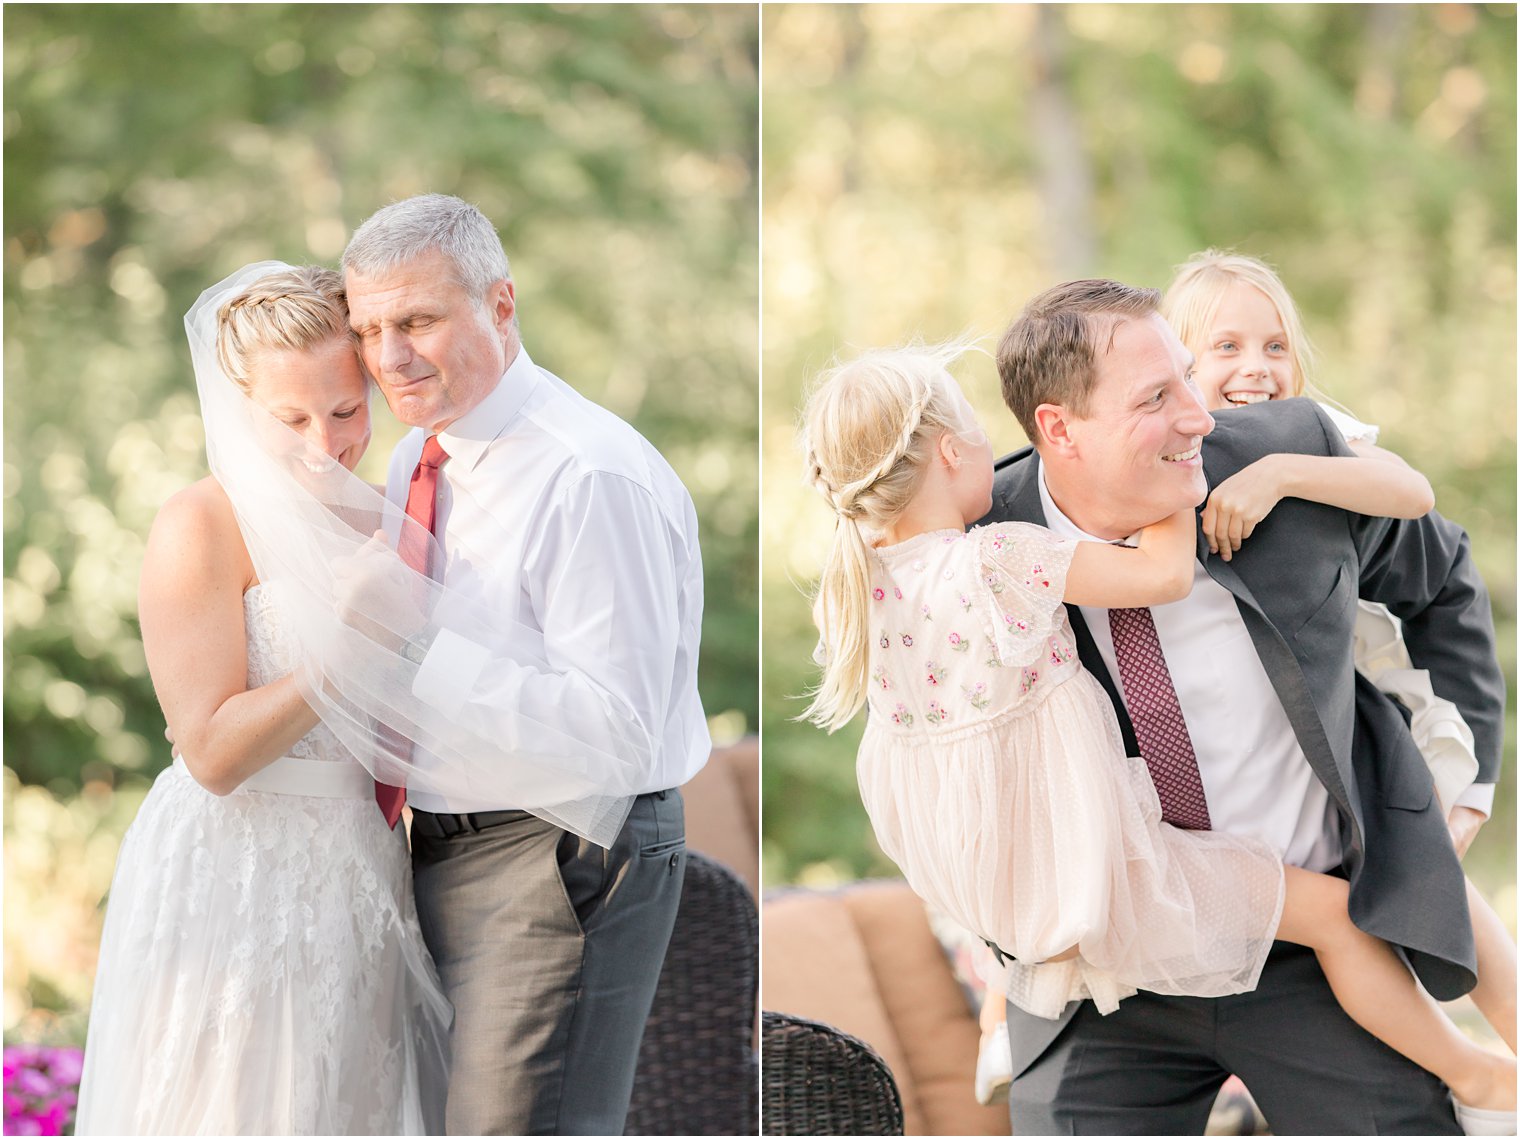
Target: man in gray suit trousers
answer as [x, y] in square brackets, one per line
[1291, 744]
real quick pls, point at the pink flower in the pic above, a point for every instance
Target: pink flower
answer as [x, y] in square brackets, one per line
[955, 638]
[878, 594]
[40, 1088]
[898, 592]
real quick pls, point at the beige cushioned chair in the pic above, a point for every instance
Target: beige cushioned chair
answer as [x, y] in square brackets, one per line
[863, 959]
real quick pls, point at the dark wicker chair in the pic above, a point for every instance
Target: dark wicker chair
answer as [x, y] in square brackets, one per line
[697, 1072]
[817, 1080]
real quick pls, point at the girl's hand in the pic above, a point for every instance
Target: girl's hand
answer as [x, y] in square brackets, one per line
[1236, 505]
[1463, 823]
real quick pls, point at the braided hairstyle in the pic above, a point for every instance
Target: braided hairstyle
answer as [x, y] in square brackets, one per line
[294, 308]
[870, 428]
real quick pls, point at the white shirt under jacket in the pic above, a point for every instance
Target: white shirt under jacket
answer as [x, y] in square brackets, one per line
[1256, 778]
[555, 512]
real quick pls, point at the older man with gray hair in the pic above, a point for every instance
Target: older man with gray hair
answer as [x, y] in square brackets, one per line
[556, 513]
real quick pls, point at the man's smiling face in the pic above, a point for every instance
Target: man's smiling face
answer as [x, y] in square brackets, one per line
[1138, 449]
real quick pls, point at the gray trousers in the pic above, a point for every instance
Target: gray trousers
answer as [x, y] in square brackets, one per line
[1154, 1066]
[550, 949]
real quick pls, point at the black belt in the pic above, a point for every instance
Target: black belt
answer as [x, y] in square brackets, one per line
[440, 825]
[447, 826]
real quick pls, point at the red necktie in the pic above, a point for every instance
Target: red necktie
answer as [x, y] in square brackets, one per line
[422, 508]
[1157, 716]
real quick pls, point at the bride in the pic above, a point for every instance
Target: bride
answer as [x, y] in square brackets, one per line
[261, 969]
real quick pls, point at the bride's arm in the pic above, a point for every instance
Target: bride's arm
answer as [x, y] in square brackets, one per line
[190, 604]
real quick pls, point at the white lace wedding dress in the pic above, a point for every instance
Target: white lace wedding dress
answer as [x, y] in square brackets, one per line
[261, 970]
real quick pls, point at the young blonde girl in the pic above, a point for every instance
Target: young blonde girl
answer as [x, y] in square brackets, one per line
[991, 765]
[1239, 321]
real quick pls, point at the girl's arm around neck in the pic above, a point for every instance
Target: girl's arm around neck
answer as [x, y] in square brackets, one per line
[190, 604]
[1375, 482]
[1156, 572]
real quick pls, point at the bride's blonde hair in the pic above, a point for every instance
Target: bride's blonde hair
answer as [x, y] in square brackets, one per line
[870, 427]
[291, 309]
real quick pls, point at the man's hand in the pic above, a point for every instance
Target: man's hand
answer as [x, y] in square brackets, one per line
[373, 583]
[1463, 823]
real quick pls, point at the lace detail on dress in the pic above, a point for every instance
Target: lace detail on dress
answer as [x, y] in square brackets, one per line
[261, 969]
[270, 657]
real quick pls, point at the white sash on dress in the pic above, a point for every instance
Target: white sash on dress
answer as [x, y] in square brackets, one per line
[325, 779]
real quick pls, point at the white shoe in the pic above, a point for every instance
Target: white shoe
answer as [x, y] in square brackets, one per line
[994, 1067]
[1473, 1120]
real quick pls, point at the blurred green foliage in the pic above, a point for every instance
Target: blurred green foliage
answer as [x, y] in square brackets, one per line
[927, 169]
[152, 149]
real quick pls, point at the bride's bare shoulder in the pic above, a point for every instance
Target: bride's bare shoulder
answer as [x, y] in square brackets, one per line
[196, 536]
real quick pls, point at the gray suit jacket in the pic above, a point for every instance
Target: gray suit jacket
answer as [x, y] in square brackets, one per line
[1295, 581]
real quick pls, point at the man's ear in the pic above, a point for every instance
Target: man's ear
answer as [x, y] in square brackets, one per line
[501, 301]
[1053, 426]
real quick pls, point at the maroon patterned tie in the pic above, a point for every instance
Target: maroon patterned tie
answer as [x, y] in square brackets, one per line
[421, 507]
[1157, 716]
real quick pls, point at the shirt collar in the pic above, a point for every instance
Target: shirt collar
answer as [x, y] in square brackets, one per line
[466, 439]
[1059, 524]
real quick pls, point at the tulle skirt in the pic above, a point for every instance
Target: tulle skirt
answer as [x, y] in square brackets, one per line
[262, 973]
[1034, 830]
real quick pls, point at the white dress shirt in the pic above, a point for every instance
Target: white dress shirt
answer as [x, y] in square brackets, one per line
[1256, 778]
[557, 514]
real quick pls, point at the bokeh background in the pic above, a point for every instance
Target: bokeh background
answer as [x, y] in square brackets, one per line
[927, 169]
[150, 150]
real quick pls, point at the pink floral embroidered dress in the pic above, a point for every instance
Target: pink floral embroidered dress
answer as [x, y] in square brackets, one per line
[995, 777]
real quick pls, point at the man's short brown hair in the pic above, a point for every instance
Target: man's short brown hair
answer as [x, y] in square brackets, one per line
[1050, 351]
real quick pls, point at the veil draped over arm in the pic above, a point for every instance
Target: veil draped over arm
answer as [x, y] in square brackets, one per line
[389, 658]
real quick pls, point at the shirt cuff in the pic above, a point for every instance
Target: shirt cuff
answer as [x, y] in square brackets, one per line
[449, 672]
[1478, 796]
